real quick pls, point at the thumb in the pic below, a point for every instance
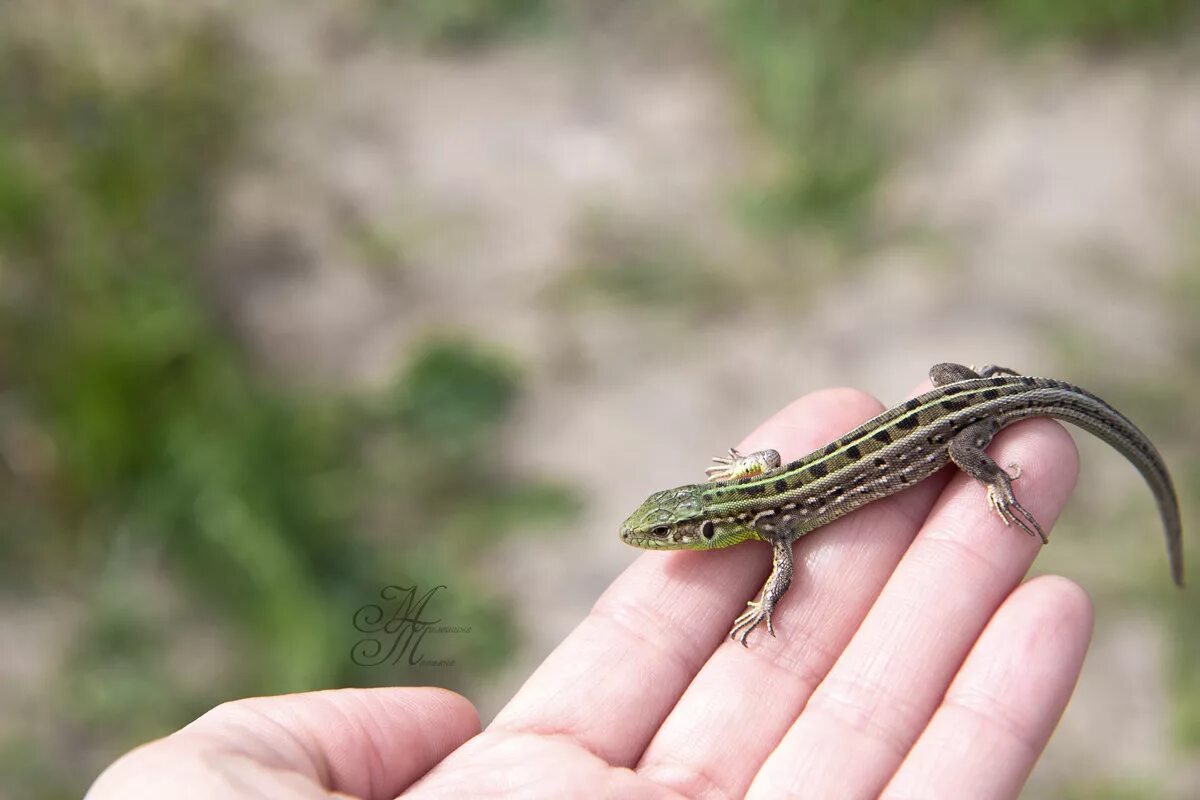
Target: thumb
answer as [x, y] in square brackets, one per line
[368, 743]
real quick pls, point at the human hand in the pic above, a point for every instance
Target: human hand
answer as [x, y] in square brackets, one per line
[908, 664]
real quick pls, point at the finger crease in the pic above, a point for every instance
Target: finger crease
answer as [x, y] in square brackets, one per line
[690, 780]
[632, 621]
[998, 715]
[808, 664]
[863, 708]
[961, 548]
[554, 732]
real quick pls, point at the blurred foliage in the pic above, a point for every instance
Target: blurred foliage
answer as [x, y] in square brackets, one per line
[1123, 790]
[459, 24]
[644, 280]
[1098, 23]
[628, 265]
[216, 531]
[1161, 402]
[1181, 299]
[453, 396]
[1184, 633]
[806, 66]
[152, 471]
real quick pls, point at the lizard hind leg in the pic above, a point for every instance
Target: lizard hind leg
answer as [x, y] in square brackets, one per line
[966, 451]
[942, 374]
[737, 465]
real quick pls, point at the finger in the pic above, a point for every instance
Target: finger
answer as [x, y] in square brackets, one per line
[611, 683]
[862, 720]
[1005, 701]
[759, 692]
[368, 743]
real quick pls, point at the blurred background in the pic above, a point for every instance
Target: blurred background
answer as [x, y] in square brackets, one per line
[301, 299]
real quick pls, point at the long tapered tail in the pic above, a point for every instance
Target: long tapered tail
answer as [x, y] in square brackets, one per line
[1098, 418]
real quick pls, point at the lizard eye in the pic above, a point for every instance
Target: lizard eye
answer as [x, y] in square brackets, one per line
[660, 530]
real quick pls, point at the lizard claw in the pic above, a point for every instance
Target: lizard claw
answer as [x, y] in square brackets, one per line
[737, 465]
[749, 620]
[1001, 499]
[725, 466]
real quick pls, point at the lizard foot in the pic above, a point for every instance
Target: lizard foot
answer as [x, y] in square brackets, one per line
[737, 465]
[749, 620]
[1001, 499]
[992, 369]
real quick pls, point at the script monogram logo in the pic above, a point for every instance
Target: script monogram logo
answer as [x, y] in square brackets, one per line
[398, 635]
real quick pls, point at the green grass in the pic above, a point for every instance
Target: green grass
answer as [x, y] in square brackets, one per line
[459, 24]
[166, 483]
[625, 264]
[1160, 401]
[1096, 24]
[1115, 790]
[180, 493]
[810, 68]
[1180, 299]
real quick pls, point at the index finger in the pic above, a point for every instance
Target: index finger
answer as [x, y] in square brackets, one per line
[611, 683]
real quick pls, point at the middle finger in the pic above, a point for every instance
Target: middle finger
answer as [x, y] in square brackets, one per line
[875, 701]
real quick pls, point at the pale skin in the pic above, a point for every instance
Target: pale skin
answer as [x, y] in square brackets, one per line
[910, 661]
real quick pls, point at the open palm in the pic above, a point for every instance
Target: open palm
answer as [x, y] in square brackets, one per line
[908, 663]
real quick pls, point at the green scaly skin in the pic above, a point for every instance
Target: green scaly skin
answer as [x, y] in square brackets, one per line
[756, 497]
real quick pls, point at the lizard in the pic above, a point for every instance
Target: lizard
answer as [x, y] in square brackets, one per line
[757, 497]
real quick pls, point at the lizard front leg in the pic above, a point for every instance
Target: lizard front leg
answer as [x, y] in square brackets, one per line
[777, 584]
[737, 465]
[966, 451]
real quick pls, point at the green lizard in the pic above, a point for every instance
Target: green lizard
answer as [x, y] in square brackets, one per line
[757, 497]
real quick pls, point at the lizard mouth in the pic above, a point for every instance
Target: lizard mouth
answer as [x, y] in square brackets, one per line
[645, 541]
[629, 536]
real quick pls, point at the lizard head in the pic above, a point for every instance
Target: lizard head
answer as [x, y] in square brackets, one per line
[674, 519]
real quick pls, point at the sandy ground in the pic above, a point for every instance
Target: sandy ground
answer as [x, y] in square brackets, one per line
[1055, 193]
